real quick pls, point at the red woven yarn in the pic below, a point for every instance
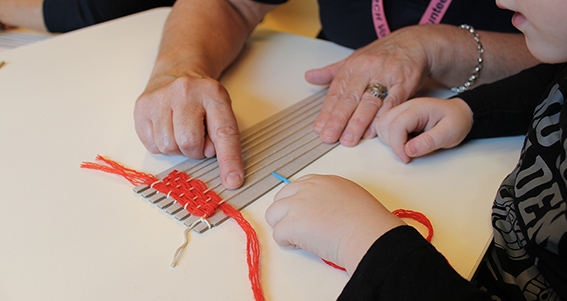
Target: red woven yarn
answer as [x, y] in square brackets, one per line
[190, 193]
[194, 196]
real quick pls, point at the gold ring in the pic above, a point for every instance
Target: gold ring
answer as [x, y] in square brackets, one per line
[378, 90]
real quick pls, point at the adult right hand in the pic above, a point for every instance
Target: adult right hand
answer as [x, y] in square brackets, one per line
[191, 115]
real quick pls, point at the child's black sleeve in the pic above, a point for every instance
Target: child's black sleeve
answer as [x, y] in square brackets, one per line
[506, 107]
[402, 265]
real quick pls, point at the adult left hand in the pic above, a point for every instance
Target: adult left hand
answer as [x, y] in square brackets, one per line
[398, 62]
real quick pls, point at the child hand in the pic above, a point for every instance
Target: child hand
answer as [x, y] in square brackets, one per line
[444, 123]
[330, 216]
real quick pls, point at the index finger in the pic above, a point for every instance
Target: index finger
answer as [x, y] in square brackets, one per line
[223, 131]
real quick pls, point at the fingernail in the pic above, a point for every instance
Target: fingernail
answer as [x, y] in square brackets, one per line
[209, 152]
[411, 150]
[318, 126]
[347, 139]
[233, 180]
[328, 133]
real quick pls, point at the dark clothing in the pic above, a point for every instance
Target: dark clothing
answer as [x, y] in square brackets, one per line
[67, 15]
[349, 22]
[402, 265]
[528, 256]
[345, 22]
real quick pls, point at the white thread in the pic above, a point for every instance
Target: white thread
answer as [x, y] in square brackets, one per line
[206, 222]
[152, 186]
[182, 247]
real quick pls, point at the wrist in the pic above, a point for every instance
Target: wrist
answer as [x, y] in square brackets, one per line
[479, 62]
[455, 56]
[359, 243]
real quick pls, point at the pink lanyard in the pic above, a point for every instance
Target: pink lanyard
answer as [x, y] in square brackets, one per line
[434, 13]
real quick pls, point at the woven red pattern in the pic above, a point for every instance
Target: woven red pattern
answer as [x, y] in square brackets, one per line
[191, 193]
[196, 198]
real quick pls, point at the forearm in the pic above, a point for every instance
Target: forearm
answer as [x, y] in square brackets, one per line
[506, 107]
[22, 13]
[453, 55]
[202, 40]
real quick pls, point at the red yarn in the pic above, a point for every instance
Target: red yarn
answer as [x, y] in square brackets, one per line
[252, 248]
[199, 201]
[334, 265]
[417, 216]
[402, 213]
[135, 177]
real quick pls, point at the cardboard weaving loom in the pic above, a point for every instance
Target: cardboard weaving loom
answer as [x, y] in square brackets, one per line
[284, 143]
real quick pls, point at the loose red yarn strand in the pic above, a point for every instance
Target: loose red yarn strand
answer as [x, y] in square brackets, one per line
[199, 201]
[417, 216]
[334, 265]
[402, 213]
[133, 176]
[252, 249]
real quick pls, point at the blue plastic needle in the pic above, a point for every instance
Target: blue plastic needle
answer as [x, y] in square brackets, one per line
[281, 177]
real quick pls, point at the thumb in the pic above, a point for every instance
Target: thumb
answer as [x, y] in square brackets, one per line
[323, 76]
[420, 145]
[443, 135]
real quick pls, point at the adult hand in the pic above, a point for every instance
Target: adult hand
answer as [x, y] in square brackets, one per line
[398, 61]
[444, 123]
[191, 115]
[329, 216]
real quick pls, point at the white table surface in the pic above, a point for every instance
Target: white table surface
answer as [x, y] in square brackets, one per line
[73, 234]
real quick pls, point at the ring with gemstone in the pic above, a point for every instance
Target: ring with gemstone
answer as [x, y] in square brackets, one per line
[377, 90]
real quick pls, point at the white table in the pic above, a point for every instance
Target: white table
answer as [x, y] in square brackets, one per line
[72, 234]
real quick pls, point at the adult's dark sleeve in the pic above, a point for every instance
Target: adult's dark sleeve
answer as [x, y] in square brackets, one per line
[402, 265]
[67, 15]
[506, 107]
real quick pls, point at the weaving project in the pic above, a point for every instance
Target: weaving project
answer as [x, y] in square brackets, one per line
[191, 191]
[195, 198]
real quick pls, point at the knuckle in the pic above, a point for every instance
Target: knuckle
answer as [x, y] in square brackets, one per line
[340, 118]
[167, 146]
[181, 86]
[371, 102]
[359, 121]
[427, 142]
[190, 143]
[152, 148]
[227, 132]
[392, 100]
[351, 99]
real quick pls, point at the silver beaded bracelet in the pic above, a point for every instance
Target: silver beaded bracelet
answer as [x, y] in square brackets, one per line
[479, 61]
